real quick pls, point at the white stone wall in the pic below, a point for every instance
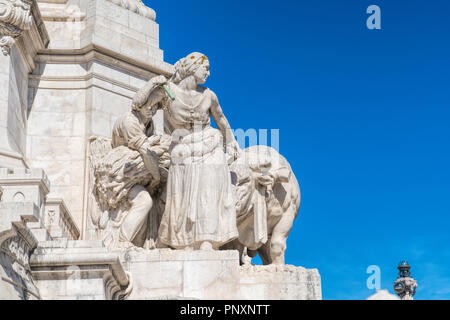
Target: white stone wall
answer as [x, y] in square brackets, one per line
[13, 109]
[56, 142]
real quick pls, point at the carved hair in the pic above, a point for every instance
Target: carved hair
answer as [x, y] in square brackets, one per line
[187, 66]
[148, 94]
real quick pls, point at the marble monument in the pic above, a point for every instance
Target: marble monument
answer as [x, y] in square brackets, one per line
[113, 182]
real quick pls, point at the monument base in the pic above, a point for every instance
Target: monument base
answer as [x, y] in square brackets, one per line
[173, 274]
[88, 270]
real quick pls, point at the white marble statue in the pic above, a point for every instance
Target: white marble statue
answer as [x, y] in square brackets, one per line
[200, 211]
[128, 170]
[211, 192]
[267, 202]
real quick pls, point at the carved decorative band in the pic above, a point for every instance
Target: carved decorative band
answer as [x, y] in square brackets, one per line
[15, 13]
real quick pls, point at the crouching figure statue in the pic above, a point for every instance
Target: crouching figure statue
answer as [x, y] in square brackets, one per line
[128, 174]
[267, 202]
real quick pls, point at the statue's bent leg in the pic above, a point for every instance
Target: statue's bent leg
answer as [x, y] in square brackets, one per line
[279, 235]
[141, 203]
[264, 252]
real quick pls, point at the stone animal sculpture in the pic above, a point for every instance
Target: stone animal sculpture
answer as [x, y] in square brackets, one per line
[267, 202]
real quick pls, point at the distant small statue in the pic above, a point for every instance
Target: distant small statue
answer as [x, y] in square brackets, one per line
[128, 174]
[267, 202]
[405, 286]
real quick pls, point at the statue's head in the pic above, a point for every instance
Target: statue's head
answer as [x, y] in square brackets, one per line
[148, 100]
[195, 64]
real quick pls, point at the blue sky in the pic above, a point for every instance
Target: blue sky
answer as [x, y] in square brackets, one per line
[363, 118]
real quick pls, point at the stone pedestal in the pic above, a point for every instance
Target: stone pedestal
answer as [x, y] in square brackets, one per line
[170, 274]
[279, 283]
[74, 270]
[16, 244]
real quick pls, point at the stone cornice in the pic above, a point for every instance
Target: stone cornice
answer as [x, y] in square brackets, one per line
[145, 69]
[87, 81]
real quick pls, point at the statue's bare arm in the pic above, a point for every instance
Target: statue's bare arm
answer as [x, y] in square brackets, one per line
[224, 127]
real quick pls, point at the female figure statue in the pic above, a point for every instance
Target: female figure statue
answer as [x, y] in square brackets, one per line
[200, 211]
[128, 170]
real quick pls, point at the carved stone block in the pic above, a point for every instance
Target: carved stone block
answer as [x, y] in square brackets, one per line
[283, 282]
[183, 274]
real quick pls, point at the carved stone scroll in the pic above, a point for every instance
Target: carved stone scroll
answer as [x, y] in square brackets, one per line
[15, 17]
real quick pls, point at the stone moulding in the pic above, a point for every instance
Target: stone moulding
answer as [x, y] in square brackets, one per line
[19, 177]
[15, 17]
[92, 52]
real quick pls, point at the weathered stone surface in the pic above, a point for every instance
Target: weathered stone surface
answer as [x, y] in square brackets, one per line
[383, 295]
[125, 174]
[53, 99]
[283, 282]
[58, 220]
[78, 270]
[199, 208]
[184, 274]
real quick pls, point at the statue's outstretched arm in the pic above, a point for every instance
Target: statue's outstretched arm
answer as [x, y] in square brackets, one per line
[232, 147]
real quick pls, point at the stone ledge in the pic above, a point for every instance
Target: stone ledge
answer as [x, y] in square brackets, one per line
[20, 176]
